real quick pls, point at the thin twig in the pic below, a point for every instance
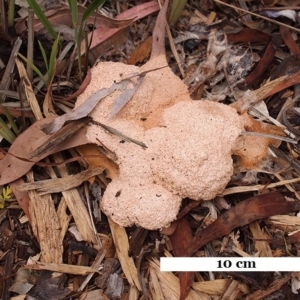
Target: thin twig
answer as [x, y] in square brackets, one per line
[30, 43]
[257, 15]
[119, 134]
[269, 136]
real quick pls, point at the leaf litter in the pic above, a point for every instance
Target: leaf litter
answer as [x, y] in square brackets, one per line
[19, 160]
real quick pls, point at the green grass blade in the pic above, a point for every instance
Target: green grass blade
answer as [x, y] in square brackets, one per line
[90, 9]
[87, 13]
[176, 10]
[74, 12]
[10, 120]
[5, 132]
[44, 55]
[11, 13]
[33, 67]
[52, 61]
[40, 14]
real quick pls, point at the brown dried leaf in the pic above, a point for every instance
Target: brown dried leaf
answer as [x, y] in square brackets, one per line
[141, 52]
[251, 98]
[62, 16]
[59, 136]
[264, 62]
[248, 35]
[96, 158]
[103, 34]
[181, 238]
[289, 41]
[17, 161]
[258, 207]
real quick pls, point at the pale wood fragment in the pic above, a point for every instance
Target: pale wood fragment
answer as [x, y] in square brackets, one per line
[286, 223]
[261, 246]
[61, 268]
[92, 295]
[288, 186]
[30, 96]
[232, 291]
[212, 287]
[96, 264]
[154, 286]
[107, 245]
[122, 247]
[57, 185]
[63, 217]
[134, 293]
[76, 206]
[45, 225]
[240, 252]
[170, 285]
[257, 187]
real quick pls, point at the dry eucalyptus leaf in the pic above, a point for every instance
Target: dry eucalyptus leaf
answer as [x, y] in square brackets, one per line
[17, 161]
[62, 16]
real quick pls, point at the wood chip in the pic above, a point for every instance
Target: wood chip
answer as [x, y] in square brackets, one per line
[122, 247]
[57, 185]
[45, 225]
[61, 268]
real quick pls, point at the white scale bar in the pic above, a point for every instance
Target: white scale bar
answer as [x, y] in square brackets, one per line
[227, 264]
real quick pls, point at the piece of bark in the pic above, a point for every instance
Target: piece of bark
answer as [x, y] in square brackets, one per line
[254, 280]
[49, 286]
[58, 137]
[274, 286]
[110, 266]
[137, 241]
[8, 269]
[115, 286]
[76, 246]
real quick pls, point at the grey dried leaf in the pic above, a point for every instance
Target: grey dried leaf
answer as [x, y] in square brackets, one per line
[124, 98]
[84, 109]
